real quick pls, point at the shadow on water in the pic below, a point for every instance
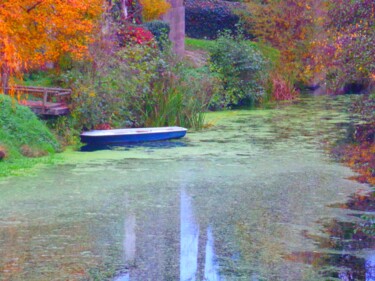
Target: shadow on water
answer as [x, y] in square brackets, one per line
[125, 147]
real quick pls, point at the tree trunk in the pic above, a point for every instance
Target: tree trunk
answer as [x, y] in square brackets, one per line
[124, 8]
[5, 78]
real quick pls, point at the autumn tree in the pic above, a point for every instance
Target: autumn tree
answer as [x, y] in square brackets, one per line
[154, 9]
[136, 11]
[346, 53]
[33, 32]
[287, 25]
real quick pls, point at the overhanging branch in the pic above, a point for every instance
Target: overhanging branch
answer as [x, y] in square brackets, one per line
[28, 10]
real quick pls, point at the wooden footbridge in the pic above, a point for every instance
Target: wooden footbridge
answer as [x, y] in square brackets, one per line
[41, 100]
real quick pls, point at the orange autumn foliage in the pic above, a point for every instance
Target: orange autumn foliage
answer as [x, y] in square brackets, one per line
[33, 32]
[287, 25]
[153, 9]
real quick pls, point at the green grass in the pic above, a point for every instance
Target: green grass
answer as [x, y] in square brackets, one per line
[21, 133]
[199, 44]
[268, 52]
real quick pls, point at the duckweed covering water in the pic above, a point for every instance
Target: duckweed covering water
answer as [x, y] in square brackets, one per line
[242, 200]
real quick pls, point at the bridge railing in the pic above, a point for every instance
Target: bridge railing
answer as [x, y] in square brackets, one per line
[48, 97]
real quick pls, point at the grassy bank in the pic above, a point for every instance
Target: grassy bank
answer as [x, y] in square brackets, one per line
[24, 139]
[270, 53]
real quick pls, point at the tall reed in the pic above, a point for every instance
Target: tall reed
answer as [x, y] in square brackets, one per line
[176, 101]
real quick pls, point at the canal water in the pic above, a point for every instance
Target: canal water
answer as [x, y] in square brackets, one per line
[258, 195]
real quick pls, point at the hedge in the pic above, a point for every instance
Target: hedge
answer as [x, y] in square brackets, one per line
[204, 19]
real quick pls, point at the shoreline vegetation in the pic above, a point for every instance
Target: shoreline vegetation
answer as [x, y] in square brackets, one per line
[24, 140]
[27, 142]
[123, 73]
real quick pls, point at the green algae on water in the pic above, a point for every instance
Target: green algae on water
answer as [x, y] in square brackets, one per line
[246, 194]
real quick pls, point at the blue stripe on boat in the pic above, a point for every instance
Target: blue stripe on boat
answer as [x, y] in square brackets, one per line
[119, 136]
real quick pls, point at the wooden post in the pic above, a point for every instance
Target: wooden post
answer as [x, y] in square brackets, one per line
[45, 96]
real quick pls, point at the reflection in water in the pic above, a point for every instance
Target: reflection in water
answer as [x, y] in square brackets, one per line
[191, 266]
[369, 271]
[211, 266]
[130, 238]
[129, 243]
[123, 277]
[189, 240]
[124, 147]
[189, 246]
[349, 239]
[358, 152]
[370, 267]
[260, 192]
[352, 237]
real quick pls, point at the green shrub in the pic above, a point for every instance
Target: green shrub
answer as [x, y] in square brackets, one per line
[64, 129]
[208, 83]
[135, 87]
[241, 68]
[158, 28]
[111, 89]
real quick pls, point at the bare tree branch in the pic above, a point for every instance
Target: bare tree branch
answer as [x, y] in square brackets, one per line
[28, 10]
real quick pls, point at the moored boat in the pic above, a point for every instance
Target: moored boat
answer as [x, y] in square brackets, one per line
[124, 136]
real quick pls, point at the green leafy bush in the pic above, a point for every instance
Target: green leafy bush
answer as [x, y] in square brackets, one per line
[241, 68]
[160, 29]
[64, 129]
[209, 83]
[110, 89]
[135, 87]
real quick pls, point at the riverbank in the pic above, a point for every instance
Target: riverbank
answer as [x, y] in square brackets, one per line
[28, 143]
[25, 141]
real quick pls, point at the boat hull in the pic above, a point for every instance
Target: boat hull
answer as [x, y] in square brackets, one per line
[123, 138]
